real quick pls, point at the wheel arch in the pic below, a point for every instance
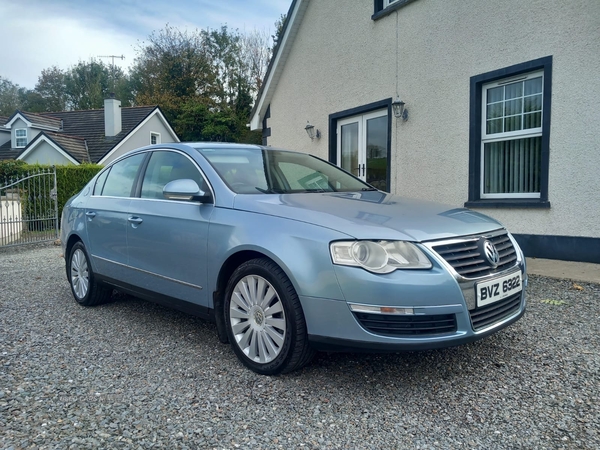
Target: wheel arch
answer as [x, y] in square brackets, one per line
[227, 268]
[73, 239]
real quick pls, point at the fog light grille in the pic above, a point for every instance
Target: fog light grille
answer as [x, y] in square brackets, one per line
[495, 312]
[407, 325]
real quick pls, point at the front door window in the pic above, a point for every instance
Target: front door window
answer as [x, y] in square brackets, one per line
[349, 149]
[362, 147]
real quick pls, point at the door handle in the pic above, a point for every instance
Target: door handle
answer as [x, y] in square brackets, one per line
[135, 220]
[90, 215]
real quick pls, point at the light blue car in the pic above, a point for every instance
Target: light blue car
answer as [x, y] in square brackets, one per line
[289, 254]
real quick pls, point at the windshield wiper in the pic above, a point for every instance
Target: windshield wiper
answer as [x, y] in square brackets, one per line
[317, 190]
[368, 189]
[269, 191]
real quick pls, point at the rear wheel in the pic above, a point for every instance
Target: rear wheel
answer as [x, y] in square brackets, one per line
[264, 319]
[86, 290]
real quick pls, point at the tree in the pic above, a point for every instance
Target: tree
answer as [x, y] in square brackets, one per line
[87, 85]
[197, 121]
[31, 101]
[223, 47]
[256, 54]
[279, 23]
[10, 100]
[172, 68]
[204, 81]
[51, 86]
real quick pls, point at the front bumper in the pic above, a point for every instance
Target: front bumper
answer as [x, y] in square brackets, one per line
[445, 301]
[365, 342]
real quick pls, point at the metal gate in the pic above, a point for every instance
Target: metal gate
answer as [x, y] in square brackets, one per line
[29, 209]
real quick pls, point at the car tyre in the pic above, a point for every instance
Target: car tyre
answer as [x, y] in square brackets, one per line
[86, 290]
[264, 319]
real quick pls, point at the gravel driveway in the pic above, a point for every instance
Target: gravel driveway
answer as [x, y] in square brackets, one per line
[131, 374]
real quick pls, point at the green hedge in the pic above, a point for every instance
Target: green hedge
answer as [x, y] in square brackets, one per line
[69, 179]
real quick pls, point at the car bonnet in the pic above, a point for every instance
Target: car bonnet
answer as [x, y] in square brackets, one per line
[371, 214]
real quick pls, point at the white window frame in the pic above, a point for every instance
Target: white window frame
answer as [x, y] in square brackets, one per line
[387, 3]
[17, 137]
[157, 135]
[361, 119]
[506, 136]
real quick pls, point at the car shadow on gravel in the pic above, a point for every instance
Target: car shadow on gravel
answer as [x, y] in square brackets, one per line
[410, 368]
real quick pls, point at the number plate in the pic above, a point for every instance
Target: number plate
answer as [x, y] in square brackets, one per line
[494, 290]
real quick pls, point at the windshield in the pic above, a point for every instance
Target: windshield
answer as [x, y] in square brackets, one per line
[256, 171]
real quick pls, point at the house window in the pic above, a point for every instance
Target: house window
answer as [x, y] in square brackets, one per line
[385, 7]
[21, 137]
[154, 138]
[509, 139]
[361, 143]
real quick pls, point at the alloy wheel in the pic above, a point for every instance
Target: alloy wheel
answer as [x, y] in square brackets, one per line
[257, 319]
[80, 276]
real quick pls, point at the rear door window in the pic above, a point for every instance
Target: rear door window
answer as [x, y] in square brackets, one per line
[119, 182]
[100, 182]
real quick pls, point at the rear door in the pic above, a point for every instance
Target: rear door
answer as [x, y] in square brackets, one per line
[106, 216]
[167, 239]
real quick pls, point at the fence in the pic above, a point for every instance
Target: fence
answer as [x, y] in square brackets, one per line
[29, 208]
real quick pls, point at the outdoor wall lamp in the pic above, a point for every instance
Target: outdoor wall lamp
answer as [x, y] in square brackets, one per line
[398, 106]
[312, 131]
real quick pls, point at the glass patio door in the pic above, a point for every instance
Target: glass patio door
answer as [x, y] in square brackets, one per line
[362, 147]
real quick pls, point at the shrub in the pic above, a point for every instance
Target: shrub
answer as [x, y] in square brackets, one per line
[11, 168]
[70, 179]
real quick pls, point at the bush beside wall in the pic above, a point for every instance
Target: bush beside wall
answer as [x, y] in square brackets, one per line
[69, 179]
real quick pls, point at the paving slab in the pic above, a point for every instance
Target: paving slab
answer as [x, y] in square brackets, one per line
[570, 270]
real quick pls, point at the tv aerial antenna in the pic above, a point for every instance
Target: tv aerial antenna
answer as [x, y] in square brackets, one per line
[112, 65]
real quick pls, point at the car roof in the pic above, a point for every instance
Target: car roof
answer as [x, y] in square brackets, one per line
[225, 145]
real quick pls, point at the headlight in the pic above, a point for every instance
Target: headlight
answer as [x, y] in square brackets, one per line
[379, 256]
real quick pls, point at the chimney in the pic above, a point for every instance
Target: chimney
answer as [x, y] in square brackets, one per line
[112, 116]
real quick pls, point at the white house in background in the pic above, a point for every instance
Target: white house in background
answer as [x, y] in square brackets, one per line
[501, 106]
[76, 137]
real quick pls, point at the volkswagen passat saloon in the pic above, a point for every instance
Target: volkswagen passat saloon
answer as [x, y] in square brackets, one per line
[289, 254]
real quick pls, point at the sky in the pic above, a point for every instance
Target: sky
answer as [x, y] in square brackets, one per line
[38, 34]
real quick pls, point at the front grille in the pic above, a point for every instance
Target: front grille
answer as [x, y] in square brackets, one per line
[495, 312]
[407, 325]
[464, 256]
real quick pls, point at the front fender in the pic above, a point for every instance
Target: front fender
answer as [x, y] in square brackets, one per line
[300, 249]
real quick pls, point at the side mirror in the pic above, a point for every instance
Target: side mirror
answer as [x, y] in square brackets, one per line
[185, 190]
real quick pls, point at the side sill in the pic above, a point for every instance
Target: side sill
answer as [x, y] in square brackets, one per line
[499, 204]
[164, 300]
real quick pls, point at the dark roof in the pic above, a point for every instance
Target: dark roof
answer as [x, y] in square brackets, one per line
[42, 120]
[82, 133]
[89, 125]
[75, 146]
[6, 152]
[3, 120]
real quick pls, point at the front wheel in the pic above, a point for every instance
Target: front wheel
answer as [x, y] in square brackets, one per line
[86, 290]
[264, 319]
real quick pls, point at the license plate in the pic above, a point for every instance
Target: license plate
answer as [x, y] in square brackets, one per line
[495, 290]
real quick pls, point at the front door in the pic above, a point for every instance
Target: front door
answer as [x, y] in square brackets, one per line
[362, 143]
[167, 239]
